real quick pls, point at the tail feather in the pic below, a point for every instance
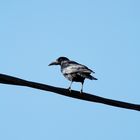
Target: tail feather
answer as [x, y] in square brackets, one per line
[91, 77]
[88, 76]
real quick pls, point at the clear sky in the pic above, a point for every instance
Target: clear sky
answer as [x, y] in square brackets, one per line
[102, 34]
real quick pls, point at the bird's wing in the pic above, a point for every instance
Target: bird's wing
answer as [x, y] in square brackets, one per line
[74, 67]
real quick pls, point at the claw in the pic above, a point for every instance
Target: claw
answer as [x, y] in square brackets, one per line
[69, 89]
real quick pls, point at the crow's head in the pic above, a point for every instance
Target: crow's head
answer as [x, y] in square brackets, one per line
[59, 61]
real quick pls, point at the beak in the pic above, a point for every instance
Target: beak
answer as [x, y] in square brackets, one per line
[54, 63]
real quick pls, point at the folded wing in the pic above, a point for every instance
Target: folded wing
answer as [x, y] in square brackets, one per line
[74, 67]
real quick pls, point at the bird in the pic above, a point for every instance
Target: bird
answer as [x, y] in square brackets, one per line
[73, 71]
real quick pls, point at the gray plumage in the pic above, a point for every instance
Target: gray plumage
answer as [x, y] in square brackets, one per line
[74, 71]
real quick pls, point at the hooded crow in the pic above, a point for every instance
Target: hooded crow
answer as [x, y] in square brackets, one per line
[73, 71]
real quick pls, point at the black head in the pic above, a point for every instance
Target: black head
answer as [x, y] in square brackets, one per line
[59, 61]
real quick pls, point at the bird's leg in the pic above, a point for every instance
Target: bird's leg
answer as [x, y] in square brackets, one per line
[70, 86]
[82, 87]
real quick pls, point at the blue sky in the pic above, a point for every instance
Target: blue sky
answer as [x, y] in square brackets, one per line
[104, 35]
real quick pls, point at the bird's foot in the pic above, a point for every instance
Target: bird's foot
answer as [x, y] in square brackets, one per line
[69, 89]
